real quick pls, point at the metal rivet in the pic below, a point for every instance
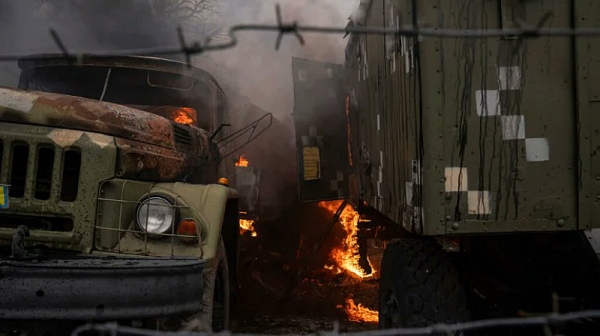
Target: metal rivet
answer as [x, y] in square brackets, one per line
[455, 226]
[448, 218]
[560, 223]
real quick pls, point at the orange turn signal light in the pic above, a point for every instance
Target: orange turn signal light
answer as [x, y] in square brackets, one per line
[187, 227]
[223, 181]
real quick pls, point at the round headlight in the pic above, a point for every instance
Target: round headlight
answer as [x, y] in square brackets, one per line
[155, 215]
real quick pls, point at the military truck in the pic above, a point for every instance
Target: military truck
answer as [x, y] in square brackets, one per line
[114, 196]
[476, 158]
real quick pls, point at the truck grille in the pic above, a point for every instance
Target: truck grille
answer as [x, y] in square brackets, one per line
[39, 182]
[53, 176]
[46, 223]
[182, 135]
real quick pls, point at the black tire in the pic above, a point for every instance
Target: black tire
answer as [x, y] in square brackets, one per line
[419, 286]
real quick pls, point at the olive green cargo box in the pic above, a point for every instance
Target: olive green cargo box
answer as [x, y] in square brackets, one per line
[460, 135]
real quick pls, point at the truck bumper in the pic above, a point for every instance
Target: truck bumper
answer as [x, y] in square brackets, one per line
[99, 288]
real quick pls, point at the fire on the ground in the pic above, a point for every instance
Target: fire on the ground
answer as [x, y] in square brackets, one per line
[346, 259]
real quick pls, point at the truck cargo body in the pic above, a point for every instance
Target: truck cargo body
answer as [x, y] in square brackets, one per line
[476, 135]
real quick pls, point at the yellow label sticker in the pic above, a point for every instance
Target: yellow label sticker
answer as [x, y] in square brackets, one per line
[3, 197]
[312, 163]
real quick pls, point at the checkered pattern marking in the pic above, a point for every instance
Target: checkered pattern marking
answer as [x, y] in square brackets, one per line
[456, 180]
[513, 126]
[417, 211]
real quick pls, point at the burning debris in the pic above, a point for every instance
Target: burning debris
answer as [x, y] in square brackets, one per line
[346, 256]
[347, 260]
[358, 312]
[242, 162]
[185, 115]
[247, 225]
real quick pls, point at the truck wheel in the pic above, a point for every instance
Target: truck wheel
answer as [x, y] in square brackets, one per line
[216, 297]
[419, 286]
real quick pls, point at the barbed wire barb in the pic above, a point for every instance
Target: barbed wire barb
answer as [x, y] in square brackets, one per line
[184, 48]
[286, 28]
[448, 329]
[296, 29]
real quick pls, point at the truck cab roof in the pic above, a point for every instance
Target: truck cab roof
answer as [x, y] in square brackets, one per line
[169, 88]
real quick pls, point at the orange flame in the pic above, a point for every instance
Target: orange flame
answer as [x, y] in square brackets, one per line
[185, 115]
[247, 225]
[359, 313]
[346, 256]
[242, 162]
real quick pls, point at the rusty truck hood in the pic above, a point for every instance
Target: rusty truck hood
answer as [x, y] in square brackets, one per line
[58, 110]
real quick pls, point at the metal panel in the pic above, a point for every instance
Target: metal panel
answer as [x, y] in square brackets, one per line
[508, 122]
[321, 130]
[384, 76]
[96, 287]
[468, 135]
[587, 14]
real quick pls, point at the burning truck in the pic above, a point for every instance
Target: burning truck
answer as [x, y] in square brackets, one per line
[474, 159]
[114, 195]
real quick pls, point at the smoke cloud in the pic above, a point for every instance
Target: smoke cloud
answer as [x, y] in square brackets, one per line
[255, 69]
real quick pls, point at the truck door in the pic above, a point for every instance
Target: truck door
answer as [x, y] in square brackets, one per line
[321, 130]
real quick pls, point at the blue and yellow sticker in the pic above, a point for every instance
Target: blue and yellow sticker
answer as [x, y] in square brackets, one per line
[3, 196]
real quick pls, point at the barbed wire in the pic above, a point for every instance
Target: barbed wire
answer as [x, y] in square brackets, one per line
[545, 322]
[293, 28]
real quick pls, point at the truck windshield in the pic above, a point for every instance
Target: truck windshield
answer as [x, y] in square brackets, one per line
[180, 98]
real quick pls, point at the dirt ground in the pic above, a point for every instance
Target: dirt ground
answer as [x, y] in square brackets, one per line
[274, 299]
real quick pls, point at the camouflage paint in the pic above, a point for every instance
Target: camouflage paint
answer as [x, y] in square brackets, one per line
[97, 164]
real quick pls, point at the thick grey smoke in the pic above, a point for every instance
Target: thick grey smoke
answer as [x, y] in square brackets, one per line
[255, 69]
[85, 26]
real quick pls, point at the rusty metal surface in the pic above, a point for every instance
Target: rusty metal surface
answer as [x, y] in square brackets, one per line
[55, 110]
[137, 160]
[99, 287]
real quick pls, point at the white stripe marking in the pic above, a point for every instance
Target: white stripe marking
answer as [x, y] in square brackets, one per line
[513, 127]
[17, 100]
[488, 103]
[509, 77]
[456, 179]
[537, 149]
[409, 193]
[479, 202]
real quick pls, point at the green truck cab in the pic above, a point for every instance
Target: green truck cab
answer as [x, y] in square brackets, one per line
[115, 198]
